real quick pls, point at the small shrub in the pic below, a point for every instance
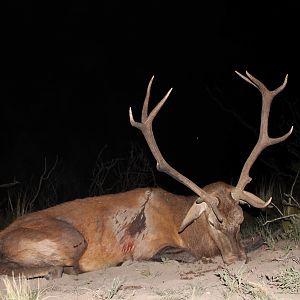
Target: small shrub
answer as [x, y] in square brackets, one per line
[122, 174]
[287, 280]
[115, 287]
[23, 198]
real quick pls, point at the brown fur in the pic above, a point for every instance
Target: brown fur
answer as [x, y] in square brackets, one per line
[92, 233]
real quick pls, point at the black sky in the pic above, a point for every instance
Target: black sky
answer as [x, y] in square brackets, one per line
[71, 69]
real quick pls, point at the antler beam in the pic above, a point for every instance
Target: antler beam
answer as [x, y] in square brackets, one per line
[263, 140]
[146, 128]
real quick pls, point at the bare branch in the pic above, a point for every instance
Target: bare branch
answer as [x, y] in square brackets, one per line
[8, 185]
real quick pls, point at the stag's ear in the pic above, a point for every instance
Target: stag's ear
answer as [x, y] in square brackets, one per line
[194, 213]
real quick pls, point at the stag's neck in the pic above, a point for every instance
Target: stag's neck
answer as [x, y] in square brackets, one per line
[195, 236]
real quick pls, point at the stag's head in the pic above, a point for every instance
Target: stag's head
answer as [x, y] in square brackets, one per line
[218, 204]
[202, 226]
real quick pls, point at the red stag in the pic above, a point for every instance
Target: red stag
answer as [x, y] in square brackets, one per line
[89, 234]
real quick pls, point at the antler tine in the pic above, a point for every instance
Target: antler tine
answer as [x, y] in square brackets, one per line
[146, 102]
[147, 119]
[263, 140]
[146, 128]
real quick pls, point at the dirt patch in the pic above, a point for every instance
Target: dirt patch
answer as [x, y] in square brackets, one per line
[173, 280]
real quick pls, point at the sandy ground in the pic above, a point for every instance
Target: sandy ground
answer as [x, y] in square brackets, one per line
[173, 280]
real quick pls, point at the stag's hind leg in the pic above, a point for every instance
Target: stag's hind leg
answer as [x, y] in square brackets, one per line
[41, 248]
[48, 272]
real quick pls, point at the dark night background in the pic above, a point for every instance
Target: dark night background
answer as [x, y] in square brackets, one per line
[71, 69]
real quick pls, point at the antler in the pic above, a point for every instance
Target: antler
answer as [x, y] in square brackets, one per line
[263, 141]
[146, 128]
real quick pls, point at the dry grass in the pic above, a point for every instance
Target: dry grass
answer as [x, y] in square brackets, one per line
[237, 284]
[18, 288]
[287, 280]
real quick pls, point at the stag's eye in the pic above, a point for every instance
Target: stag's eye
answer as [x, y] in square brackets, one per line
[211, 223]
